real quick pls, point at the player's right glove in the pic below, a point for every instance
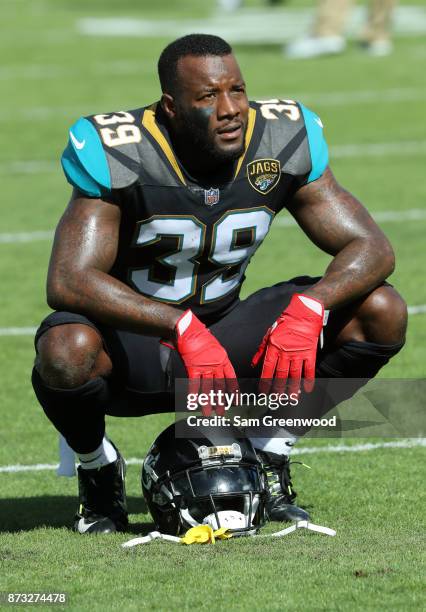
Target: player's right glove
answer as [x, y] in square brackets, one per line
[206, 361]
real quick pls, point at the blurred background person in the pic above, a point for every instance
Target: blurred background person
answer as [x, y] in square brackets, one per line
[328, 34]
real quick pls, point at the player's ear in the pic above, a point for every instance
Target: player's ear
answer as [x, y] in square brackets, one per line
[168, 105]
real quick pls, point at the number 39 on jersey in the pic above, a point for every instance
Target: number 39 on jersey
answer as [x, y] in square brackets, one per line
[233, 240]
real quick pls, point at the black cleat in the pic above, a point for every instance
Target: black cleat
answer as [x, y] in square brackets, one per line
[280, 504]
[102, 497]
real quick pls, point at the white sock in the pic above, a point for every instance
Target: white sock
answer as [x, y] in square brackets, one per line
[66, 459]
[103, 455]
[281, 442]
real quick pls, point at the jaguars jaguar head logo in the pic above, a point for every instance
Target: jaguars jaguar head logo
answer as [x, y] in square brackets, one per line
[264, 174]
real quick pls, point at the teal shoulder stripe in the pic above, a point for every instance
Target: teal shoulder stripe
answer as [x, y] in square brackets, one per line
[317, 144]
[84, 161]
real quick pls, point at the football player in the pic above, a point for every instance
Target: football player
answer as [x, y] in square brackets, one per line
[170, 202]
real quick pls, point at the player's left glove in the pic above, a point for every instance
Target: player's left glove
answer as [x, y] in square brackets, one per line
[290, 346]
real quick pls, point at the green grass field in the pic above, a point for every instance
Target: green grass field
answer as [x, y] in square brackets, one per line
[373, 110]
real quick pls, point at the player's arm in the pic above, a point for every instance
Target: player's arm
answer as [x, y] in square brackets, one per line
[363, 257]
[338, 223]
[84, 251]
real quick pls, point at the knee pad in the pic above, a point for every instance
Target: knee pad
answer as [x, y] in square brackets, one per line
[77, 413]
[356, 360]
[61, 318]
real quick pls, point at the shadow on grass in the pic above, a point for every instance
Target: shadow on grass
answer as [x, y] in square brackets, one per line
[56, 511]
[25, 513]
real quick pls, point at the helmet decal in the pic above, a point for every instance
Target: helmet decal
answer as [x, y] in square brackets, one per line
[229, 450]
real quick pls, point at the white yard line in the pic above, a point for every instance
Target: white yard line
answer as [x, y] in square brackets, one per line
[247, 25]
[368, 96]
[415, 310]
[13, 238]
[379, 149]
[384, 216]
[359, 448]
[39, 72]
[17, 331]
[29, 167]
[338, 448]
[30, 331]
[374, 149]
[331, 98]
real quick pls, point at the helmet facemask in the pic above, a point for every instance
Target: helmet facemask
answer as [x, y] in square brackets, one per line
[223, 494]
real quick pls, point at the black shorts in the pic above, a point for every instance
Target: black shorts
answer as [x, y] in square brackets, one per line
[144, 370]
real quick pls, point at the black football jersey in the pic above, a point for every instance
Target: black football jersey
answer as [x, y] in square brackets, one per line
[181, 242]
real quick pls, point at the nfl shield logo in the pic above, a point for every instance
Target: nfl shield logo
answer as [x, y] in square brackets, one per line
[211, 196]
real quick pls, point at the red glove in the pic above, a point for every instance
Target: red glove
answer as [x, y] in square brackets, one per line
[291, 346]
[206, 361]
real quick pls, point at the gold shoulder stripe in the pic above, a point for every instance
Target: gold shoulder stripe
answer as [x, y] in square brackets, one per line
[148, 122]
[249, 134]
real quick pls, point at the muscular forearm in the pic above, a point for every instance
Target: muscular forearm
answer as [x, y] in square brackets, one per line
[103, 298]
[357, 269]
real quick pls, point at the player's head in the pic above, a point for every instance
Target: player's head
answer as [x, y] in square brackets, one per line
[209, 478]
[204, 95]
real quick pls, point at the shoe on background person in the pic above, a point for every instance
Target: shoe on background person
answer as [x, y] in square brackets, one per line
[328, 31]
[233, 5]
[377, 48]
[315, 46]
[229, 5]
